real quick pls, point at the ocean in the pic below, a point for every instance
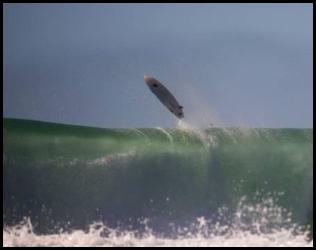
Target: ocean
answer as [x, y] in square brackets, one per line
[67, 185]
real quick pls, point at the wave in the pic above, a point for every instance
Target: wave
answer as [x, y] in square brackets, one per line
[66, 176]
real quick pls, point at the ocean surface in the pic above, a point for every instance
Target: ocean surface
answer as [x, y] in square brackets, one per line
[66, 185]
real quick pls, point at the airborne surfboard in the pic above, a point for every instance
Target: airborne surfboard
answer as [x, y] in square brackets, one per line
[164, 96]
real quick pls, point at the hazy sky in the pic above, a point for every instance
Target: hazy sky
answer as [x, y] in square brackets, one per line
[231, 64]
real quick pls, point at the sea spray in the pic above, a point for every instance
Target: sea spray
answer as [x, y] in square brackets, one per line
[205, 138]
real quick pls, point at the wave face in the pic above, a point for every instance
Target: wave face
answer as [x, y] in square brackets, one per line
[64, 176]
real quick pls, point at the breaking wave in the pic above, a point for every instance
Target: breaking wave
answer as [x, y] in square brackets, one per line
[72, 185]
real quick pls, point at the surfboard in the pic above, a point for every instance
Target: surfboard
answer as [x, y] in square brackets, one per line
[164, 96]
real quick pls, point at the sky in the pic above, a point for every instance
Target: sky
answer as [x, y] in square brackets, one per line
[227, 64]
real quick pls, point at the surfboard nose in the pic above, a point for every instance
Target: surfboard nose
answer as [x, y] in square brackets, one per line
[147, 79]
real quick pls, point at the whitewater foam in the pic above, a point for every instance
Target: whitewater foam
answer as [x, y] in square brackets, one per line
[261, 225]
[99, 235]
[23, 237]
